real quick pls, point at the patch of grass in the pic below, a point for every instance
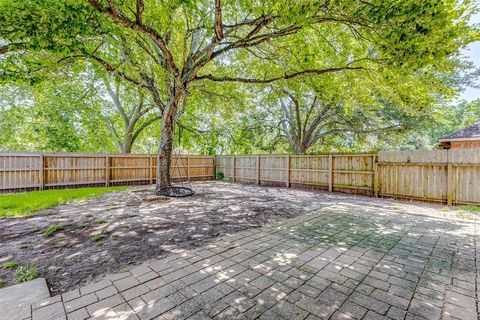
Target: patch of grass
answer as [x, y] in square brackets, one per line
[52, 230]
[25, 273]
[99, 238]
[9, 265]
[470, 208]
[27, 203]
[22, 245]
[101, 221]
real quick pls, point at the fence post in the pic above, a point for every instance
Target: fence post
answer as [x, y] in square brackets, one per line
[288, 171]
[150, 168]
[188, 168]
[449, 180]
[214, 164]
[107, 170]
[233, 174]
[330, 172]
[375, 176]
[258, 170]
[41, 172]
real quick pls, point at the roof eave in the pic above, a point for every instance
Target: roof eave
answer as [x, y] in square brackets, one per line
[459, 139]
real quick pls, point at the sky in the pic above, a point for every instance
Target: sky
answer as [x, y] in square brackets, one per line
[473, 53]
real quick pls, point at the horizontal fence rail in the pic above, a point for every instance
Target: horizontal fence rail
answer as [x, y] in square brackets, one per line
[447, 176]
[38, 171]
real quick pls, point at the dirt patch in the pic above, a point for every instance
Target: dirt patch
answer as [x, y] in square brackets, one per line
[119, 229]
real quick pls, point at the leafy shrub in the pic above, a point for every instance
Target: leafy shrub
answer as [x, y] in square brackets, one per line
[26, 273]
[51, 230]
[219, 175]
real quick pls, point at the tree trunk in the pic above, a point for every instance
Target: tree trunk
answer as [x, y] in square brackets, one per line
[127, 143]
[164, 157]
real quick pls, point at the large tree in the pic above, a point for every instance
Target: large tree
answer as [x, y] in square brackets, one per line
[167, 48]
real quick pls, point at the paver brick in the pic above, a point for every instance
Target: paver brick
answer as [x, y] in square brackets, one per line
[95, 286]
[50, 312]
[424, 309]
[289, 311]
[134, 292]
[105, 304]
[262, 282]
[126, 283]
[157, 294]
[460, 300]
[353, 310]
[318, 309]
[125, 312]
[153, 310]
[457, 312]
[205, 284]
[147, 276]
[80, 314]
[106, 292]
[80, 302]
[369, 302]
[182, 311]
[396, 313]
[155, 283]
[70, 295]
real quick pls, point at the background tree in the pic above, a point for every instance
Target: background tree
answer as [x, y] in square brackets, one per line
[126, 111]
[50, 116]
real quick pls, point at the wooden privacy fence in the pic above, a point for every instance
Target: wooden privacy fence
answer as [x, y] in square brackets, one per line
[449, 176]
[334, 172]
[30, 171]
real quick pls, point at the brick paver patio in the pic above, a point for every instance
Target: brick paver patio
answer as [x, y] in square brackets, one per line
[341, 262]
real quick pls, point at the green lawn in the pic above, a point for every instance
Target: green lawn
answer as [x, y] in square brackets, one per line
[26, 203]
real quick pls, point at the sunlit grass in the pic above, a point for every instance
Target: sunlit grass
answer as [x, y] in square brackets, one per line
[470, 208]
[27, 203]
[26, 273]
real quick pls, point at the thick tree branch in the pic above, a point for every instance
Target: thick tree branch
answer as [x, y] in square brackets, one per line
[121, 19]
[269, 80]
[108, 67]
[140, 8]
[218, 20]
[116, 99]
[143, 126]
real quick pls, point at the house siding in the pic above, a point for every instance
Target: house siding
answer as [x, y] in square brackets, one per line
[465, 144]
